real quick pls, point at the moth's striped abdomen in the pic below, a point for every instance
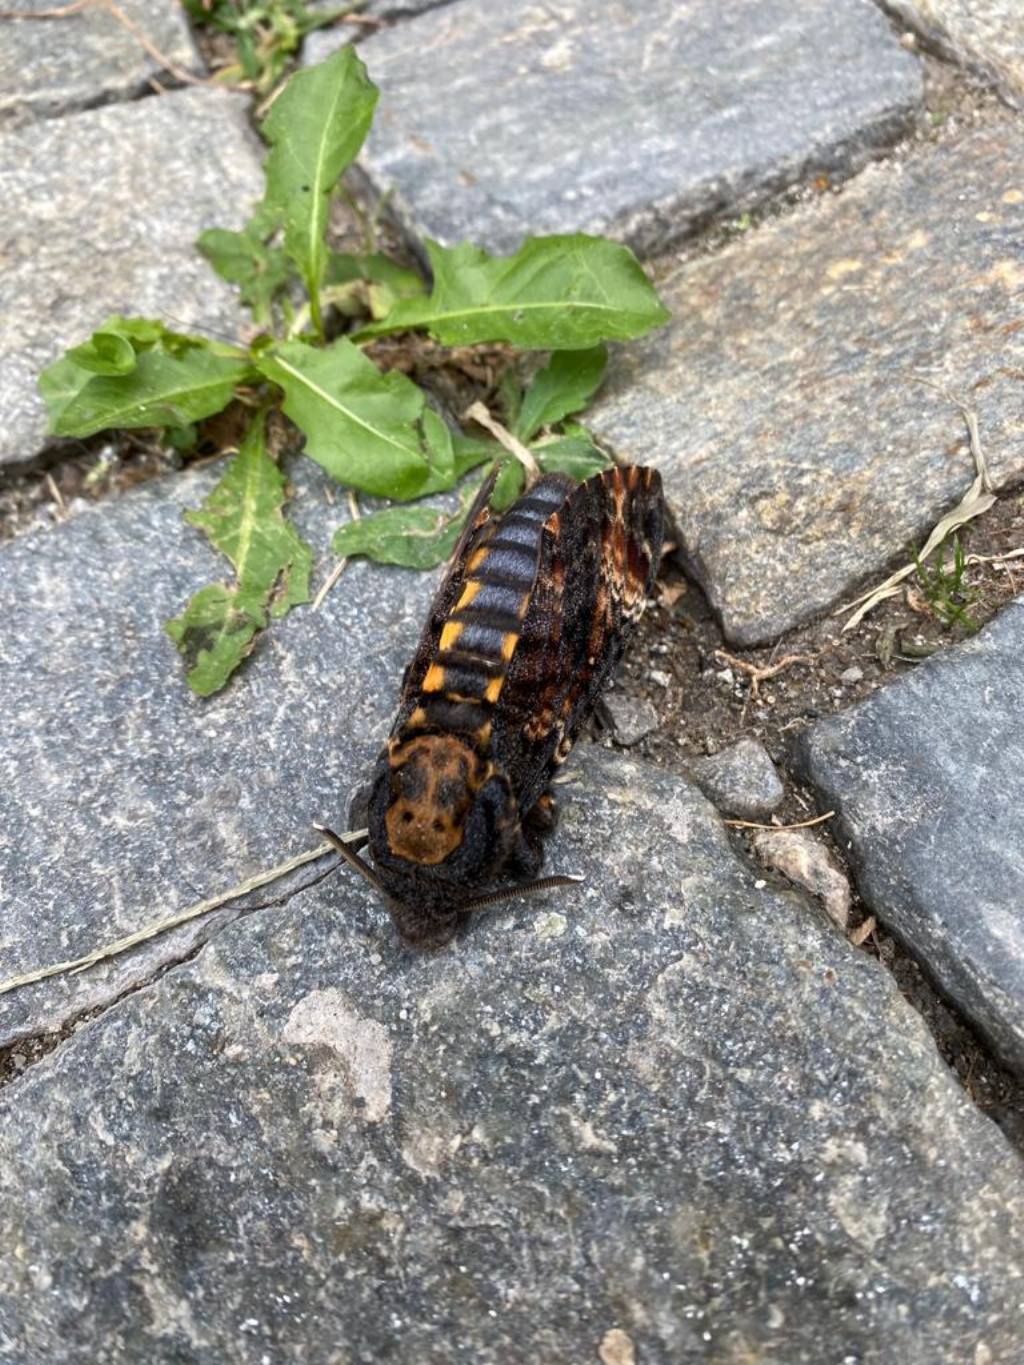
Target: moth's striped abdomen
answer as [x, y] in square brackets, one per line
[479, 637]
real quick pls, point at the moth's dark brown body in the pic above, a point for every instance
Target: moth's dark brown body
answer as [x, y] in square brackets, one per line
[523, 634]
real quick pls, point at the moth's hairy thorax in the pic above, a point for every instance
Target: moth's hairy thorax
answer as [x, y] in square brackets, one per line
[433, 782]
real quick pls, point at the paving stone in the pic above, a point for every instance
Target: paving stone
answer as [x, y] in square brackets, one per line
[379, 9]
[986, 35]
[740, 781]
[53, 66]
[784, 405]
[927, 777]
[637, 121]
[633, 718]
[123, 798]
[669, 1111]
[101, 213]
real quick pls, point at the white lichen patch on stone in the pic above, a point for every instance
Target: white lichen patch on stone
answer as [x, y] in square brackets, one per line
[616, 1348]
[428, 1149]
[323, 1018]
[552, 925]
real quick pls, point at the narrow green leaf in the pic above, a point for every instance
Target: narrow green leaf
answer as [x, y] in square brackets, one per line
[162, 390]
[440, 451]
[414, 537]
[555, 293]
[363, 426]
[243, 518]
[471, 451]
[316, 127]
[574, 455]
[247, 259]
[508, 485]
[562, 387]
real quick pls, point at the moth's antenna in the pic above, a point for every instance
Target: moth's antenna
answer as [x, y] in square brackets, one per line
[527, 889]
[353, 859]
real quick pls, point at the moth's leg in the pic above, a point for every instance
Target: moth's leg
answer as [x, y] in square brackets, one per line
[538, 822]
[542, 816]
[527, 855]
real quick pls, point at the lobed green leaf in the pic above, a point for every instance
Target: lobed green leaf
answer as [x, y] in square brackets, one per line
[367, 429]
[243, 517]
[565, 292]
[247, 259]
[414, 537]
[162, 389]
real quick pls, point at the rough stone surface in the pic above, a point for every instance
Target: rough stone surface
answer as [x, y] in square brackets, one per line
[740, 781]
[637, 121]
[800, 449]
[927, 777]
[51, 66]
[800, 857]
[123, 798]
[986, 35]
[101, 214]
[633, 718]
[669, 1106]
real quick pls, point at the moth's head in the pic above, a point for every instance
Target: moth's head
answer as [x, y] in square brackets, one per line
[427, 923]
[433, 781]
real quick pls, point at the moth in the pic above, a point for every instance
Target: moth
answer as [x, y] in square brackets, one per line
[523, 634]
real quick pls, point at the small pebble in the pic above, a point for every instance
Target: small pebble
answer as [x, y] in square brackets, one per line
[851, 675]
[662, 679]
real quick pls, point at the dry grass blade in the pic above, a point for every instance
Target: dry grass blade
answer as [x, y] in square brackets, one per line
[977, 500]
[800, 824]
[122, 945]
[339, 568]
[995, 559]
[476, 412]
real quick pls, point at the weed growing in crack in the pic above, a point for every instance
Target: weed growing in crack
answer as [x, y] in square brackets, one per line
[945, 588]
[319, 356]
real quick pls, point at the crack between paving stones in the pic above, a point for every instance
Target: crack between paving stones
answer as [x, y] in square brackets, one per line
[924, 995]
[39, 1046]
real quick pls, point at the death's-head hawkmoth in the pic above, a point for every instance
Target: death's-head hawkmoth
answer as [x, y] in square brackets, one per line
[525, 630]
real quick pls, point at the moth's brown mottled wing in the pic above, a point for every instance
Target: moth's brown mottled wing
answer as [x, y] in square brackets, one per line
[599, 557]
[478, 525]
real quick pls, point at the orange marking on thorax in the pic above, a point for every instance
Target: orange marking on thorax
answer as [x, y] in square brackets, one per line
[434, 781]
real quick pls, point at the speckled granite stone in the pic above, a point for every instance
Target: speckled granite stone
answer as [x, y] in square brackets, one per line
[740, 781]
[124, 798]
[100, 215]
[53, 66]
[670, 1110]
[638, 121]
[927, 776]
[784, 404]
